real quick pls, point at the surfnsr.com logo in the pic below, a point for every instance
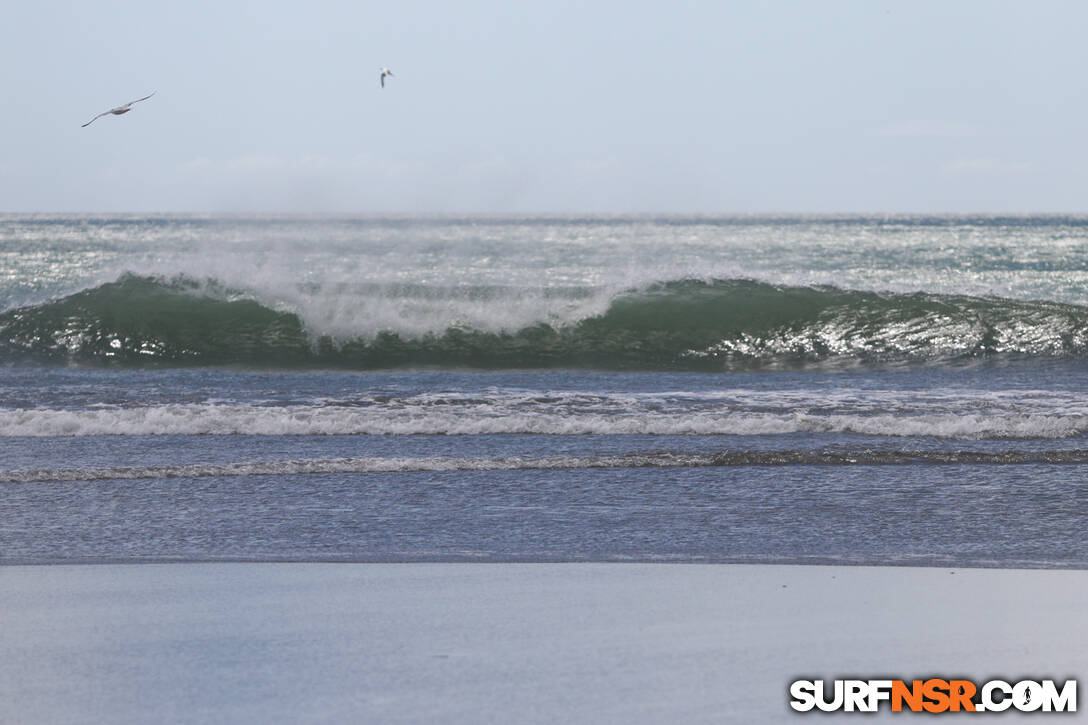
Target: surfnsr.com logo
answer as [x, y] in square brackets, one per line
[935, 695]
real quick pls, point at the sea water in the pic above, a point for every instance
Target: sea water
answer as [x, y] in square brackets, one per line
[893, 390]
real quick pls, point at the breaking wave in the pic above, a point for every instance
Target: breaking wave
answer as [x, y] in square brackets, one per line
[515, 463]
[261, 420]
[679, 325]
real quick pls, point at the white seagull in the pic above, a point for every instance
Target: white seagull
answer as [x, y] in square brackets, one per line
[116, 111]
[385, 72]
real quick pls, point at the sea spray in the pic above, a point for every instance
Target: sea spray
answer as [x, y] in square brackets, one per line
[731, 324]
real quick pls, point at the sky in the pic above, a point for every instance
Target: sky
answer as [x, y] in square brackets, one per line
[512, 107]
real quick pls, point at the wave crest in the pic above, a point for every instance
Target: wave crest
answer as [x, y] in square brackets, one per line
[678, 325]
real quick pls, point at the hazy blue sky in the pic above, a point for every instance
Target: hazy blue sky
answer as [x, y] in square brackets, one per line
[550, 106]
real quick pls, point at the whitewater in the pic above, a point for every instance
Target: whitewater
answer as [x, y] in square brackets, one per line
[849, 389]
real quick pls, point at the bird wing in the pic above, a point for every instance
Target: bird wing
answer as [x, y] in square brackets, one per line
[104, 113]
[121, 109]
[383, 80]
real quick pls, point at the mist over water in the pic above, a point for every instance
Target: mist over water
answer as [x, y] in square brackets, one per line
[622, 293]
[355, 277]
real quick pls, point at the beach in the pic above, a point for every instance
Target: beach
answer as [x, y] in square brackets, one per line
[543, 469]
[543, 363]
[524, 643]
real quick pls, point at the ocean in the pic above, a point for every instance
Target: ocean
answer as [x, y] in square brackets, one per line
[899, 390]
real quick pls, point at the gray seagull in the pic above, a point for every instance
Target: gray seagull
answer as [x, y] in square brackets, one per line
[116, 111]
[385, 72]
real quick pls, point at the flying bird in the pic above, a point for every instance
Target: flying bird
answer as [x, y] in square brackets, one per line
[116, 111]
[385, 72]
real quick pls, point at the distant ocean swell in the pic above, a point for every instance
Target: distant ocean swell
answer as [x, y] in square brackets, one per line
[633, 460]
[677, 325]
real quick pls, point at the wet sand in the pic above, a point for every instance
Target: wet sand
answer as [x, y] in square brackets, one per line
[508, 643]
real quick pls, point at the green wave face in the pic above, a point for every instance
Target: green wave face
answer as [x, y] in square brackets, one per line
[680, 325]
[139, 319]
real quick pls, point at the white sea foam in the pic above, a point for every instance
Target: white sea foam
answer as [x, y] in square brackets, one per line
[204, 419]
[346, 465]
[657, 459]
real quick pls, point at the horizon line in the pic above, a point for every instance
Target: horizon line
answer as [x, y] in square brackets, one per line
[543, 214]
